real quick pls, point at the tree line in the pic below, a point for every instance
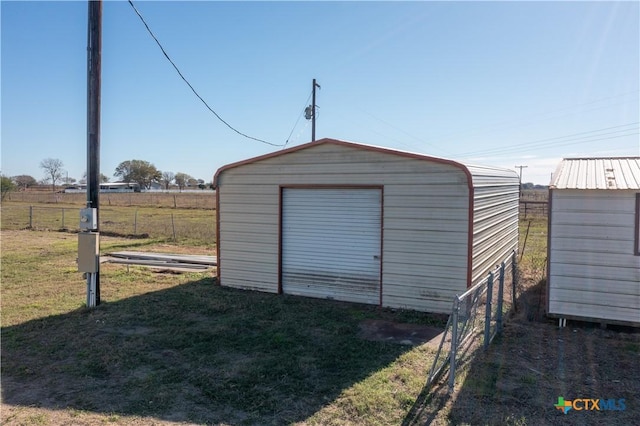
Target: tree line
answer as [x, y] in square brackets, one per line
[141, 172]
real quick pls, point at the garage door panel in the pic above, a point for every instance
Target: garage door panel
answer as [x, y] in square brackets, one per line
[331, 243]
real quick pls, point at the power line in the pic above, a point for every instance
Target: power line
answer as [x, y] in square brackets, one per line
[558, 141]
[298, 120]
[533, 118]
[191, 87]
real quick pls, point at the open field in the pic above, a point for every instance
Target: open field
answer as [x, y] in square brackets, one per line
[177, 349]
[202, 199]
[184, 225]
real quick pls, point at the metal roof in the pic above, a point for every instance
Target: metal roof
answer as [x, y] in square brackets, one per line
[597, 173]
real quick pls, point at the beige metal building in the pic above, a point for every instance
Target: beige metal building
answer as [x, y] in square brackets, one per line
[352, 222]
[594, 232]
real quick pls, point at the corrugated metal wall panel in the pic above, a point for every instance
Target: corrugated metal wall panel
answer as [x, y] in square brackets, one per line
[495, 220]
[593, 271]
[331, 243]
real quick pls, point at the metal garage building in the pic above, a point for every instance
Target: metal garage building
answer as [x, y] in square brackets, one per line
[345, 221]
[594, 227]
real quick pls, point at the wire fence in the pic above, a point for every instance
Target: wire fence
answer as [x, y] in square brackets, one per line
[200, 199]
[197, 226]
[477, 316]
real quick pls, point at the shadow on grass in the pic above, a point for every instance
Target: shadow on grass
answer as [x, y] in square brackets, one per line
[195, 352]
[473, 402]
[519, 378]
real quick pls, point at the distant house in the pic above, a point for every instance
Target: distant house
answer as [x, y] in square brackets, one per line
[107, 187]
[340, 220]
[594, 236]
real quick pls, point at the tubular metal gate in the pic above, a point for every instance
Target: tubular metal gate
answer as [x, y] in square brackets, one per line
[479, 311]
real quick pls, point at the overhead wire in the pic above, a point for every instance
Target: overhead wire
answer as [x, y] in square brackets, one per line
[191, 87]
[298, 120]
[559, 140]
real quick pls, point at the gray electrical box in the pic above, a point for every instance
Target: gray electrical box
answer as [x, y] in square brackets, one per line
[88, 251]
[88, 219]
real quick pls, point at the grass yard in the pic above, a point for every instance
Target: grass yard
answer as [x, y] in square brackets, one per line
[168, 348]
[177, 348]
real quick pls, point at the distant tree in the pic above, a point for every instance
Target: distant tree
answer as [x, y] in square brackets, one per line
[69, 180]
[192, 182]
[53, 171]
[142, 172]
[103, 178]
[167, 178]
[182, 180]
[24, 181]
[6, 186]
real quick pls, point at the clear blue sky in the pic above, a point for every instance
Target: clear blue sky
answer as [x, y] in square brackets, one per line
[498, 83]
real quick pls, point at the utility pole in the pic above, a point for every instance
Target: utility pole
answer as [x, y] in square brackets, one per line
[89, 245]
[520, 178]
[313, 110]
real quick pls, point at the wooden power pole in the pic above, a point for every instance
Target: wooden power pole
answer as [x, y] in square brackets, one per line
[94, 65]
[520, 177]
[313, 110]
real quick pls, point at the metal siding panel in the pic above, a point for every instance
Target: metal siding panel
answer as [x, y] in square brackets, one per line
[248, 240]
[426, 272]
[315, 176]
[422, 247]
[629, 273]
[592, 244]
[579, 232]
[495, 225]
[595, 258]
[560, 308]
[331, 243]
[439, 305]
[594, 285]
[237, 281]
[591, 247]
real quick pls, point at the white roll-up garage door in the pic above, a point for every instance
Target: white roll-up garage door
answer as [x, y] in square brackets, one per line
[331, 243]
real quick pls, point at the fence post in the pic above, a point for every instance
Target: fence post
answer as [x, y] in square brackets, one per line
[135, 222]
[63, 218]
[173, 225]
[487, 316]
[30, 217]
[514, 272]
[500, 297]
[454, 345]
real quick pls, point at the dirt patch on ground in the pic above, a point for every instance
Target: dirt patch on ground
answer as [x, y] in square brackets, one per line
[404, 334]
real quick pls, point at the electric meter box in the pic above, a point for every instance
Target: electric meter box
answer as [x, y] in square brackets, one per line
[88, 251]
[88, 219]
